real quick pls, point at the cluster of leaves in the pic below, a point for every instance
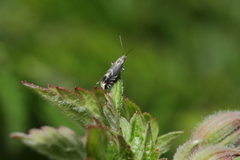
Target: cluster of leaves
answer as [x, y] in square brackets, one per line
[216, 138]
[115, 127]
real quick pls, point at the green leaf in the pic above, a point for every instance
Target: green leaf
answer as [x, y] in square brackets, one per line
[164, 142]
[214, 152]
[116, 95]
[111, 117]
[137, 135]
[153, 123]
[100, 94]
[129, 108]
[113, 150]
[147, 118]
[148, 144]
[69, 102]
[96, 143]
[221, 128]
[125, 127]
[125, 152]
[91, 102]
[59, 144]
[156, 154]
[154, 128]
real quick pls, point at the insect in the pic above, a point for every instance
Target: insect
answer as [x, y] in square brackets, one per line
[114, 71]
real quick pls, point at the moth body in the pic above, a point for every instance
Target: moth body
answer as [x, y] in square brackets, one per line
[112, 73]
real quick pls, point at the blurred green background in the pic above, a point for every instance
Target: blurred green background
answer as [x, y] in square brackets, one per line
[184, 65]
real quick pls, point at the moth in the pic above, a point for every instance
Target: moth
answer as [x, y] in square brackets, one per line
[114, 71]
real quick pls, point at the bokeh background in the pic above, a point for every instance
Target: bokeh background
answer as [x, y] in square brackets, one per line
[184, 65]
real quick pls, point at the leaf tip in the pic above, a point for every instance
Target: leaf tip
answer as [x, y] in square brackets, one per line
[97, 88]
[23, 82]
[50, 86]
[16, 135]
[76, 88]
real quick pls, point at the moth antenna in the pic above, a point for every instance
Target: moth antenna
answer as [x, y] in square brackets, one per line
[120, 38]
[129, 52]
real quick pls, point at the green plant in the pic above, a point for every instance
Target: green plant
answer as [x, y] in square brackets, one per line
[216, 138]
[116, 129]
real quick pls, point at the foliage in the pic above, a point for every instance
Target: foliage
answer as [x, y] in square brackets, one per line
[216, 138]
[115, 127]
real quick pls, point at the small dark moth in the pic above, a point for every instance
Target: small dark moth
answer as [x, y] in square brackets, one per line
[114, 71]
